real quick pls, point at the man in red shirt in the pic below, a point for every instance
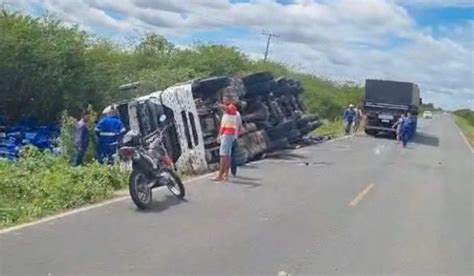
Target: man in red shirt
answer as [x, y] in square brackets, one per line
[227, 134]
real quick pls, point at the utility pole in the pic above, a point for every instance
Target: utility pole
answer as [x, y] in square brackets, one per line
[269, 35]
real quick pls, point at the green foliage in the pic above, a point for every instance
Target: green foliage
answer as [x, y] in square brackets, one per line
[48, 67]
[467, 114]
[333, 128]
[40, 184]
[67, 135]
[466, 126]
[43, 68]
[464, 118]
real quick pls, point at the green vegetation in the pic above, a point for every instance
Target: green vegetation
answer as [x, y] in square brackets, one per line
[334, 128]
[51, 71]
[464, 118]
[41, 184]
[48, 67]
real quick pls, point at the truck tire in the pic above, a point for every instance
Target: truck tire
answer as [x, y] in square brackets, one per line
[276, 133]
[308, 128]
[294, 136]
[249, 127]
[281, 89]
[210, 85]
[281, 130]
[257, 77]
[371, 132]
[241, 156]
[289, 125]
[260, 88]
[279, 144]
[303, 121]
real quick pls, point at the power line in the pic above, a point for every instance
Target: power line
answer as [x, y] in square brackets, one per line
[269, 35]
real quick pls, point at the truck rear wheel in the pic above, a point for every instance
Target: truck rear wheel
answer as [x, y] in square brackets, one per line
[370, 132]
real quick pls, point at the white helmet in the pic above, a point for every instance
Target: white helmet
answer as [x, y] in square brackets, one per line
[351, 106]
[109, 110]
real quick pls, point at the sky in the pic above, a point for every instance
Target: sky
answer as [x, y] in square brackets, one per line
[429, 42]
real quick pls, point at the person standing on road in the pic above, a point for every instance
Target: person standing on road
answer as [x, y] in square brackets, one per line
[358, 119]
[81, 139]
[349, 116]
[398, 125]
[108, 130]
[235, 145]
[406, 129]
[227, 134]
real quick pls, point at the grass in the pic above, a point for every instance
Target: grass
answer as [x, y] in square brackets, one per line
[40, 184]
[333, 128]
[466, 127]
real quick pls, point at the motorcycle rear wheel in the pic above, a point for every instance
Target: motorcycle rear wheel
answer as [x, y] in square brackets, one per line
[174, 183]
[140, 190]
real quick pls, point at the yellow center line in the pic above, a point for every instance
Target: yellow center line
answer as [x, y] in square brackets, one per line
[361, 195]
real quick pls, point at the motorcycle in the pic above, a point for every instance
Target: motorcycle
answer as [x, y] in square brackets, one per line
[151, 165]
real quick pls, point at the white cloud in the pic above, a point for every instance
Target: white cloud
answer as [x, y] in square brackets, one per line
[341, 39]
[437, 3]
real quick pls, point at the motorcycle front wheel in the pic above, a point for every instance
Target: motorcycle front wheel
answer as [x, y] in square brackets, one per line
[173, 182]
[140, 189]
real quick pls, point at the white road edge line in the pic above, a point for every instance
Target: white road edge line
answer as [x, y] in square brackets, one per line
[463, 136]
[112, 201]
[83, 209]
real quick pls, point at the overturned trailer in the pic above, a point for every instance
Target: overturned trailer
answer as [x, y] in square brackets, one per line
[272, 110]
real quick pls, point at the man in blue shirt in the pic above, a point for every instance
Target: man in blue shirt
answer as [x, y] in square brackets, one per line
[407, 124]
[81, 140]
[108, 130]
[349, 116]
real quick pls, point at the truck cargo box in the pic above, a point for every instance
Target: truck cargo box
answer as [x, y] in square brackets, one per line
[392, 92]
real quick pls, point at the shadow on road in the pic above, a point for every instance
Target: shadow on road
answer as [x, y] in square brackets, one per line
[285, 155]
[247, 181]
[247, 178]
[161, 205]
[426, 139]
[249, 166]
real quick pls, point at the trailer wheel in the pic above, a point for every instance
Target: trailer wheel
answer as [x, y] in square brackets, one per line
[257, 77]
[370, 132]
[294, 136]
[210, 84]
[260, 88]
[241, 156]
[279, 144]
[276, 133]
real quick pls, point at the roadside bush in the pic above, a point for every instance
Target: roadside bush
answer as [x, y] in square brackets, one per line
[50, 67]
[40, 184]
[333, 128]
[466, 114]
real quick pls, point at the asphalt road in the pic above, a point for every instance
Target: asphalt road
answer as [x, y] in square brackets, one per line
[360, 205]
